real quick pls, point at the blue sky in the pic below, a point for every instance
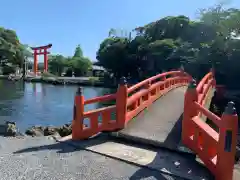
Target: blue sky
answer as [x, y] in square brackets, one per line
[87, 22]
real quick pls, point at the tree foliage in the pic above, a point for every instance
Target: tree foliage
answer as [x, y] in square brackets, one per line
[10, 48]
[77, 64]
[176, 41]
[12, 52]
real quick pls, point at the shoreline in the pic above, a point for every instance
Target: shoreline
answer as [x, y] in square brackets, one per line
[10, 129]
[81, 81]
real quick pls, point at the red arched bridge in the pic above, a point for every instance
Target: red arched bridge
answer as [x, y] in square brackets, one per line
[168, 110]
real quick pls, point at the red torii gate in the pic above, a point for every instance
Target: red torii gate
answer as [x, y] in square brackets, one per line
[39, 51]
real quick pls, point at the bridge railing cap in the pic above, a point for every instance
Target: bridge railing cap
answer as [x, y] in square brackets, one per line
[79, 91]
[123, 81]
[192, 84]
[230, 108]
[181, 68]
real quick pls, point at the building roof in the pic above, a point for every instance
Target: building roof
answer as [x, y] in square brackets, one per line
[99, 68]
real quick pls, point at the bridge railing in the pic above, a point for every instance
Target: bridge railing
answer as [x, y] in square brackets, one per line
[141, 95]
[129, 102]
[215, 148]
[101, 119]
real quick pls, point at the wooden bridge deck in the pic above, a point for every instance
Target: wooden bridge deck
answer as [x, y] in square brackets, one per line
[160, 124]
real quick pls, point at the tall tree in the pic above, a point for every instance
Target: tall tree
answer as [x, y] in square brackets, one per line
[57, 64]
[78, 52]
[79, 64]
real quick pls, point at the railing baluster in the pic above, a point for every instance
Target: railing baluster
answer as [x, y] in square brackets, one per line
[147, 86]
[94, 123]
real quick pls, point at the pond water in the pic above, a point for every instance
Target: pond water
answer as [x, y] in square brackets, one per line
[30, 104]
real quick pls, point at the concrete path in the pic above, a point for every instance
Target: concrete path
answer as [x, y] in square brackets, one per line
[160, 124]
[161, 160]
[44, 159]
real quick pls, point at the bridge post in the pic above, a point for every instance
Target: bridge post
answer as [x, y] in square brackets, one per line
[227, 143]
[189, 111]
[164, 78]
[121, 103]
[213, 76]
[77, 122]
[147, 86]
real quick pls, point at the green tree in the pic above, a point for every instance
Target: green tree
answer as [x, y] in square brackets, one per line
[113, 56]
[9, 46]
[57, 63]
[175, 41]
[78, 64]
[78, 52]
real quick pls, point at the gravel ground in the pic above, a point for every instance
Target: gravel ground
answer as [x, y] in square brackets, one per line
[42, 158]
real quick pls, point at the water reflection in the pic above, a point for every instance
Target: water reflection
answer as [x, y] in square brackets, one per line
[41, 104]
[6, 90]
[7, 95]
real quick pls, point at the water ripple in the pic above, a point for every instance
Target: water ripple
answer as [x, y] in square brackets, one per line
[29, 104]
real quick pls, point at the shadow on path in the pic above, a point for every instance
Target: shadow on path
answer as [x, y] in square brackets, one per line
[145, 173]
[74, 146]
[61, 147]
[164, 160]
[64, 147]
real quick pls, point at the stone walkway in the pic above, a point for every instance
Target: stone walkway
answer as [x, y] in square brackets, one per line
[44, 159]
[182, 165]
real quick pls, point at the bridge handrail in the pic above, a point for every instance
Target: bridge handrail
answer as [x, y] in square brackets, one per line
[79, 127]
[149, 91]
[215, 148]
[129, 102]
[216, 120]
[103, 98]
[207, 80]
[143, 92]
[149, 80]
[88, 113]
[204, 80]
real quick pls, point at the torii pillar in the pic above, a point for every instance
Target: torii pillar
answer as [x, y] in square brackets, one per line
[39, 51]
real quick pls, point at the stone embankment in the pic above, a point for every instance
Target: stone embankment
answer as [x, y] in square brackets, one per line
[10, 129]
[83, 81]
[64, 130]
